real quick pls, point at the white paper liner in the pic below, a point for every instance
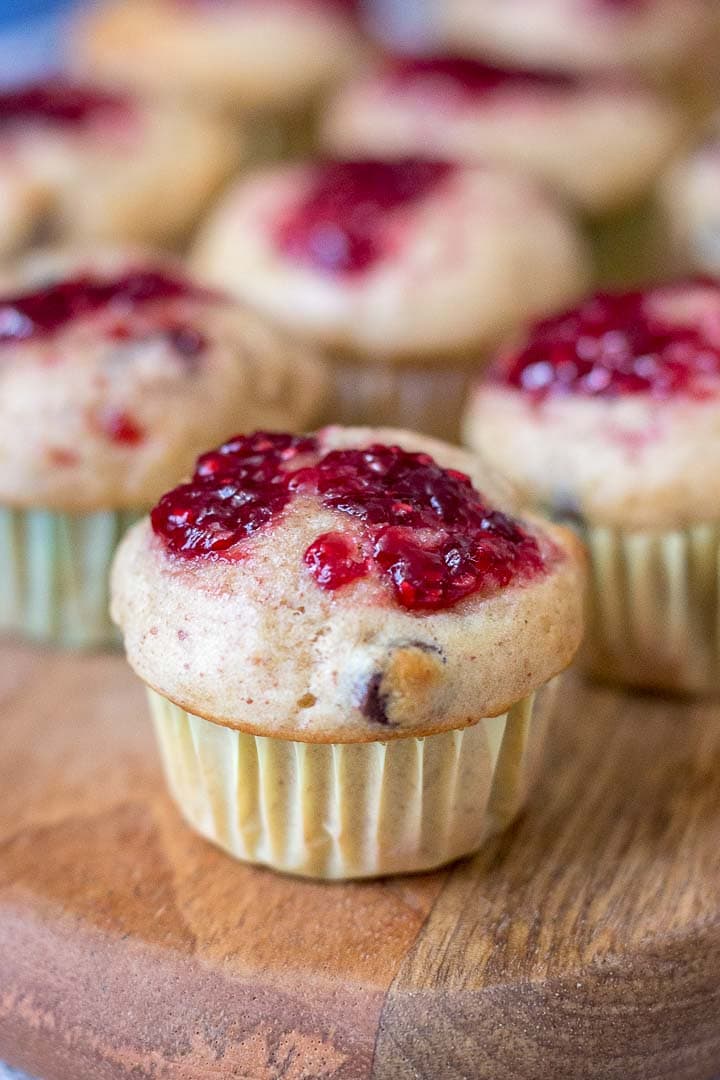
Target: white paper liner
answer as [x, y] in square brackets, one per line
[429, 399]
[654, 614]
[351, 810]
[54, 570]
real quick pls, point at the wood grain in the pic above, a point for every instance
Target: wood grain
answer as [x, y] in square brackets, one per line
[584, 944]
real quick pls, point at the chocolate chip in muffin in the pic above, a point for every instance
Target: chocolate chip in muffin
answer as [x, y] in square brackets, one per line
[566, 510]
[409, 674]
[373, 704]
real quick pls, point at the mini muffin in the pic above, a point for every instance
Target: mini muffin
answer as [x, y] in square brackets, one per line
[263, 58]
[82, 162]
[654, 36]
[22, 206]
[601, 141]
[406, 272]
[348, 648]
[609, 417]
[116, 370]
[690, 197]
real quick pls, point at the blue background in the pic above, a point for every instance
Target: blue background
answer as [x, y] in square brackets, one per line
[19, 10]
[30, 32]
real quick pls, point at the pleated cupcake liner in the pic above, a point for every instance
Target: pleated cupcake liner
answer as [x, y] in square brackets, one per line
[654, 608]
[338, 811]
[54, 573]
[428, 399]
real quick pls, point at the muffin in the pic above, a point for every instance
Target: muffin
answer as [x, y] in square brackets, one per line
[609, 417]
[405, 273]
[21, 206]
[600, 141]
[653, 36]
[263, 59]
[690, 198]
[80, 162]
[116, 370]
[349, 649]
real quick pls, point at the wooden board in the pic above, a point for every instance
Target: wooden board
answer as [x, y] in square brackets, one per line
[584, 944]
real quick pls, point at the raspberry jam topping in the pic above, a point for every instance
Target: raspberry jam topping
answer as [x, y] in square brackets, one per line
[424, 529]
[119, 427]
[334, 560]
[341, 225]
[235, 490]
[59, 104]
[616, 344]
[46, 311]
[471, 78]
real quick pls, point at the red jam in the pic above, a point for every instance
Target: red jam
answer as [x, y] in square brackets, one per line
[46, 311]
[335, 561]
[428, 531]
[59, 104]
[234, 492]
[615, 344]
[341, 226]
[119, 427]
[424, 528]
[472, 78]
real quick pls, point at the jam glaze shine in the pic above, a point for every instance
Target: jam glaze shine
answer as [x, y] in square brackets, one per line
[621, 344]
[340, 226]
[424, 530]
[43, 312]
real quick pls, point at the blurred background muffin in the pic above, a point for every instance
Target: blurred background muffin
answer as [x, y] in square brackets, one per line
[591, 99]
[405, 272]
[690, 196]
[672, 44]
[78, 161]
[265, 61]
[651, 36]
[598, 140]
[608, 416]
[557, 89]
[117, 369]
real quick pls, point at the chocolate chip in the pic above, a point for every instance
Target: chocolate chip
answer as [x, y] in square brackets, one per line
[565, 509]
[188, 343]
[370, 698]
[373, 704]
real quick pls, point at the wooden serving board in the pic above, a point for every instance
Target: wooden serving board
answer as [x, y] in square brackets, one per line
[584, 944]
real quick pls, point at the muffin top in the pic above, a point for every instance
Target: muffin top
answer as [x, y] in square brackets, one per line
[577, 34]
[104, 163]
[611, 411]
[599, 139]
[244, 54]
[61, 114]
[690, 193]
[117, 368]
[400, 259]
[347, 586]
[61, 105]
